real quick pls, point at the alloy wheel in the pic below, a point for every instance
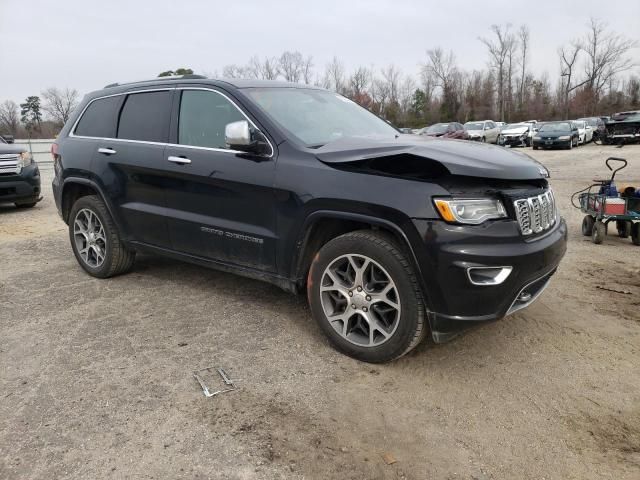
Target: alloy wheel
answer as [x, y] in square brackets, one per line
[89, 237]
[360, 300]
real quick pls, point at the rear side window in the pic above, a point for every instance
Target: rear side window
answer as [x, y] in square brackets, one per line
[145, 116]
[203, 117]
[100, 118]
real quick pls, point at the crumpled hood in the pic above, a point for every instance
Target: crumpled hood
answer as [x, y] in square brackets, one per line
[459, 157]
[515, 131]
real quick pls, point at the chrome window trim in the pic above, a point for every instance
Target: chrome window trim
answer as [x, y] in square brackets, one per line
[167, 144]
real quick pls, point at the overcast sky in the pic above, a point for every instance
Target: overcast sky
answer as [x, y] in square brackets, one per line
[87, 44]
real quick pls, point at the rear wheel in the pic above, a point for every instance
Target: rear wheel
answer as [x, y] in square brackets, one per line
[365, 297]
[624, 228]
[587, 225]
[635, 233]
[95, 239]
[598, 233]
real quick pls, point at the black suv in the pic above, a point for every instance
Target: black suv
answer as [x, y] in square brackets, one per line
[389, 234]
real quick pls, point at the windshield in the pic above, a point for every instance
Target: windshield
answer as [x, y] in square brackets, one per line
[517, 125]
[474, 126]
[579, 124]
[438, 128]
[2, 140]
[317, 117]
[555, 127]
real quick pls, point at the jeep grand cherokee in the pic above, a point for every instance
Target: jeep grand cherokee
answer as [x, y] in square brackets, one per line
[390, 235]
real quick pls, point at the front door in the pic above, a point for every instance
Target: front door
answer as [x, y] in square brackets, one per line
[220, 202]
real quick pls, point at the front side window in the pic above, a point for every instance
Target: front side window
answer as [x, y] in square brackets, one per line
[203, 117]
[145, 117]
[100, 118]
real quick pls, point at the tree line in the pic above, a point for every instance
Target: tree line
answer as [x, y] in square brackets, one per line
[593, 80]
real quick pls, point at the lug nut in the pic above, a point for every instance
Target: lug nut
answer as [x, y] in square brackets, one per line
[364, 309]
[368, 298]
[350, 293]
[353, 305]
[359, 289]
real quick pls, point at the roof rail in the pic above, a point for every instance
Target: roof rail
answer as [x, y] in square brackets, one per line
[190, 76]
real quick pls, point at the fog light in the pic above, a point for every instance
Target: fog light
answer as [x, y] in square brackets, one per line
[524, 297]
[488, 275]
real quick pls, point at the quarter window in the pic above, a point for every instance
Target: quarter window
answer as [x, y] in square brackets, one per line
[100, 118]
[145, 117]
[203, 118]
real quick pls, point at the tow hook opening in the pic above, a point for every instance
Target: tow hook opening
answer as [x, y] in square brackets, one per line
[485, 276]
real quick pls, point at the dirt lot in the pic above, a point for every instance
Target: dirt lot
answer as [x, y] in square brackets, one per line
[96, 375]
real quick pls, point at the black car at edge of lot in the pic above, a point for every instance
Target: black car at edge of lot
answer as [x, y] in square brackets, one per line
[391, 236]
[562, 134]
[19, 176]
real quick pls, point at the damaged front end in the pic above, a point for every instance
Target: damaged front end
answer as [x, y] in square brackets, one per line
[623, 127]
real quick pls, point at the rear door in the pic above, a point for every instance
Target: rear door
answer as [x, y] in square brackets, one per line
[132, 165]
[221, 202]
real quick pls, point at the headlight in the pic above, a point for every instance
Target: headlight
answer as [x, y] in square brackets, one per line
[524, 135]
[565, 137]
[470, 211]
[25, 159]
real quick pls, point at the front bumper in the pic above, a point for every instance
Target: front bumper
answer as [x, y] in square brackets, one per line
[551, 143]
[449, 250]
[22, 187]
[515, 141]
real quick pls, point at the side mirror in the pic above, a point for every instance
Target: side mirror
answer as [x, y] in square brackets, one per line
[241, 136]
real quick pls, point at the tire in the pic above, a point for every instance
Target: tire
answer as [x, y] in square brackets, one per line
[635, 233]
[484, 140]
[598, 233]
[587, 225]
[570, 144]
[624, 228]
[535, 148]
[404, 325]
[116, 258]
[25, 205]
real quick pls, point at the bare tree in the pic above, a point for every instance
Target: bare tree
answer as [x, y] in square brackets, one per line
[307, 70]
[442, 68]
[499, 50]
[334, 76]
[59, 104]
[568, 58]
[291, 66]
[523, 37]
[9, 117]
[606, 56]
[359, 81]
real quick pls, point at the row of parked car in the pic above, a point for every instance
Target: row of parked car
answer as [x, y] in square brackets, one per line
[565, 134]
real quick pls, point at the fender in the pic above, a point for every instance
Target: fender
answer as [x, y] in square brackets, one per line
[358, 217]
[90, 183]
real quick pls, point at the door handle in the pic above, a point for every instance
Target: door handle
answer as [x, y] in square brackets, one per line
[106, 151]
[179, 160]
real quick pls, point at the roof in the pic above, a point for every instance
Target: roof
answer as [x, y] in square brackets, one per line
[235, 82]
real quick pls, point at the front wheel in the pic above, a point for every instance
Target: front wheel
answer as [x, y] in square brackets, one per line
[624, 228]
[95, 239]
[364, 295]
[598, 233]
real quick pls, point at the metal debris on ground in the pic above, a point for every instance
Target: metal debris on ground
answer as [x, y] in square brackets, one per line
[615, 290]
[388, 458]
[229, 383]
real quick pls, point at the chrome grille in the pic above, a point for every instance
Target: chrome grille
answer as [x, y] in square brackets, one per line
[536, 214]
[9, 164]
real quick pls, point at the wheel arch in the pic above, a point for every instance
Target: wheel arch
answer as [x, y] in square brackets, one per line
[322, 226]
[74, 188]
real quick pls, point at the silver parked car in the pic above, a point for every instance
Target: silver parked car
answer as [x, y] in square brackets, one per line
[483, 131]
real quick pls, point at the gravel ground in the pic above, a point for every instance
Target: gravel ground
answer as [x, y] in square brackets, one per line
[96, 375]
